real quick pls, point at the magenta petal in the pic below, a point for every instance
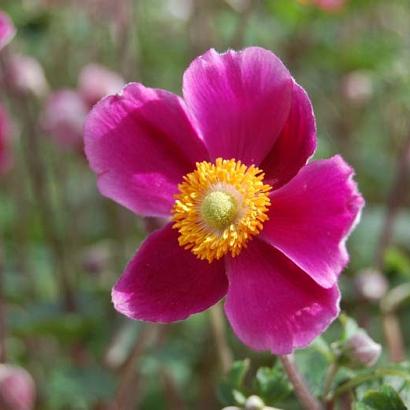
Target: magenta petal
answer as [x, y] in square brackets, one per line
[272, 304]
[140, 143]
[241, 101]
[7, 29]
[311, 217]
[165, 283]
[295, 144]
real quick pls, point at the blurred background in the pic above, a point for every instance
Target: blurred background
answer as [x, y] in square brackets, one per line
[63, 245]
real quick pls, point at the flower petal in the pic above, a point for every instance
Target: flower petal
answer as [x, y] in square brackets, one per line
[311, 217]
[295, 144]
[241, 101]
[165, 283]
[140, 143]
[272, 304]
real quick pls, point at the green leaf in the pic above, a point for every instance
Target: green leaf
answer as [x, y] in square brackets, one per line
[238, 372]
[385, 398]
[230, 388]
[350, 327]
[272, 385]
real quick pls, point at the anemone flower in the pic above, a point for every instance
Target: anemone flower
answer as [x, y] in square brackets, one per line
[250, 219]
[7, 29]
[17, 388]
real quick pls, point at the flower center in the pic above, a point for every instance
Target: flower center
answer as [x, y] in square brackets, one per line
[219, 207]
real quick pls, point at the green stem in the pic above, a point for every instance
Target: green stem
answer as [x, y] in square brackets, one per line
[330, 376]
[304, 395]
[375, 374]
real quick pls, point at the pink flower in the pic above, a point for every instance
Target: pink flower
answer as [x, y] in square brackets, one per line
[17, 388]
[6, 158]
[250, 220]
[95, 82]
[330, 5]
[7, 29]
[64, 116]
[65, 110]
[25, 75]
[326, 5]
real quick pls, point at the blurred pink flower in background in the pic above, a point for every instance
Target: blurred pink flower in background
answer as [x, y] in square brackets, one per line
[17, 388]
[96, 81]
[63, 118]
[7, 29]
[6, 157]
[326, 5]
[357, 87]
[25, 75]
[371, 284]
[251, 221]
[65, 110]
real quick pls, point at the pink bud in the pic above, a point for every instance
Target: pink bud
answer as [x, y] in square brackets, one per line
[17, 388]
[357, 87]
[7, 29]
[25, 75]
[63, 118]
[371, 284]
[6, 157]
[330, 5]
[96, 82]
[362, 350]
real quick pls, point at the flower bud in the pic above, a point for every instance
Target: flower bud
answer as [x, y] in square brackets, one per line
[96, 82]
[357, 87]
[6, 158]
[7, 29]
[362, 350]
[371, 284]
[329, 6]
[17, 388]
[63, 118]
[25, 75]
[254, 403]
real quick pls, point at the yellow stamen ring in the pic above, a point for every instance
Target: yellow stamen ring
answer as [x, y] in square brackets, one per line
[219, 207]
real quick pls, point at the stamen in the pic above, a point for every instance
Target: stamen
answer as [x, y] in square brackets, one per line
[220, 207]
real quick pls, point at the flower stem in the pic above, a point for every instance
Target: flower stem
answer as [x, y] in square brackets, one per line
[330, 376]
[304, 395]
[218, 328]
[374, 374]
[392, 331]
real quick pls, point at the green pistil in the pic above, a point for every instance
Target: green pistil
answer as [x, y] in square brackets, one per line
[219, 209]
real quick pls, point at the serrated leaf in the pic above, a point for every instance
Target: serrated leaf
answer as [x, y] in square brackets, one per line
[272, 385]
[236, 375]
[233, 381]
[385, 398]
